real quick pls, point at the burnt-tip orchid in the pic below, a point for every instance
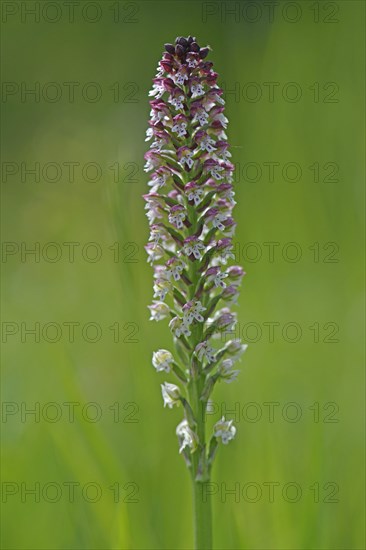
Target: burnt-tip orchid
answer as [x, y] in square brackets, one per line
[189, 207]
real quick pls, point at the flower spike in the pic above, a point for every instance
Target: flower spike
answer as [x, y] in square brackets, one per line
[189, 207]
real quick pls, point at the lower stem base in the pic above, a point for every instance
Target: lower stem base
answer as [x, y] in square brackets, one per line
[202, 515]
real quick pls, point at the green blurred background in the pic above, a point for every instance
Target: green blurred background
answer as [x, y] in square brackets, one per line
[316, 381]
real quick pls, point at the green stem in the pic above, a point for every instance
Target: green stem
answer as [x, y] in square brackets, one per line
[202, 515]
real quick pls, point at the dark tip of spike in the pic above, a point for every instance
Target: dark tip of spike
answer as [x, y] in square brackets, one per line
[169, 48]
[204, 52]
[195, 47]
[183, 41]
[179, 50]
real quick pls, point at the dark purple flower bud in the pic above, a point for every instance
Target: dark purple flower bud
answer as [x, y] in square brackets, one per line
[206, 67]
[230, 294]
[224, 320]
[169, 48]
[166, 65]
[235, 274]
[224, 247]
[211, 78]
[179, 50]
[183, 41]
[218, 109]
[168, 84]
[224, 244]
[204, 52]
[212, 271]
[153, 160]
[173, 194]
[223, 189]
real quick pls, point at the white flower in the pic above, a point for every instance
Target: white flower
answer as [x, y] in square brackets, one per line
[177, 219]
[175, 270]
[157, 90]
[226, 372]
[162, 360]
[198, 308]
[156, 234]
[225, 255]
[186, 437]
[222, 118]
[149, 134]
[202, 117]
[183, 330]
[158, 181]
[196, 196]
[215, 172]
[217, 278]
[180, 129]
[157, 144]
[179, 78]
[152, 212]
[194, 248]
[192, 310]
[225, 430]
[158, 310]
[197, 90]
[229, 195]
[187, 159]
[235, 348]
[171, 394]
[217, 221]
[192, 62]
[223, 156]
[154, 253]
[148, 166]
[219, 99]
[157, 116]
[204, 350]
[161, 289]
[179, 327]
[206, 144]
[177, 102]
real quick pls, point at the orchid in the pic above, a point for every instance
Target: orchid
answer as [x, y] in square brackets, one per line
[189, 208]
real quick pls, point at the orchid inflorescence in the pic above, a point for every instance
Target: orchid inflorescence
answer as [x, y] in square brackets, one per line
[189, 209]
